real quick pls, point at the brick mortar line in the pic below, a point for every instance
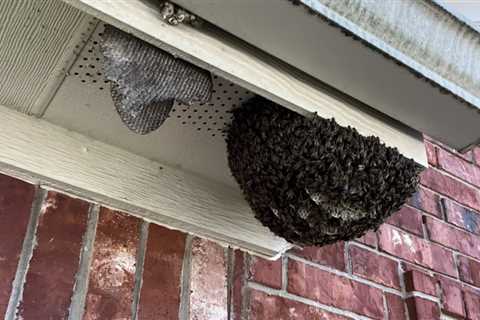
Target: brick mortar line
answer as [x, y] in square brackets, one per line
[230, 256]
[284, 272]
[292, 297]
[80, 288]
[184, 306]
[403, 287]
[418, 294]
[346, 275]
[385, 308]
[141, 251]
[245, 307]
[28, 246]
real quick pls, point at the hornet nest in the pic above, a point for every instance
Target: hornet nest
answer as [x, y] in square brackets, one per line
[312, 181]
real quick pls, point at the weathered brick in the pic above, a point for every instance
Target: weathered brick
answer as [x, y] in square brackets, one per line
[451, 298]
[476, 155]
[469, 270]
[266, 272]
[416, 250]
[419, 281]
[208, 281]
[330, 289]
[472, 304]
[369, 239]
[451, 187]
[466, 155]
[427, 201]
[395, 306]
[112, 271]
[51, 276]
[160, 293]
[462, 217]
[374, 267]
[459, 167]
[431, 151]
[331, 255]
[408, 219]
[422, 309]
[15, 204]
[264, 306]
[239, 282]
[451, 237]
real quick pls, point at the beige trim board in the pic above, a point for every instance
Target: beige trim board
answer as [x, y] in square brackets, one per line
[236, 61]
[120, 179]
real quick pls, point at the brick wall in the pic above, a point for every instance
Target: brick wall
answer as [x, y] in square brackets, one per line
[66, 258]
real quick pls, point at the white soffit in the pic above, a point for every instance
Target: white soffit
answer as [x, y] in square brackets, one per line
[253, 70]
[38, 44]
[420, 35]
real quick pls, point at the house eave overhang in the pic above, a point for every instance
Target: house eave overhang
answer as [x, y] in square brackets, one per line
[412, 60]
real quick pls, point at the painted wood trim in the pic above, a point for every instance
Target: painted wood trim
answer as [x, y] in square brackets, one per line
[234, 60]
[69, 161]
[39, 40]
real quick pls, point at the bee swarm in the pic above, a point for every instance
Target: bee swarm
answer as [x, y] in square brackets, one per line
[312, 181]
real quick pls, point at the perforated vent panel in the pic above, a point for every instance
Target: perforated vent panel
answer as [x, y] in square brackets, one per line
[192, 138]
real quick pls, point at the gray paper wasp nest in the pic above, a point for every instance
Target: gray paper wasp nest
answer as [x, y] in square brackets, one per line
[312, 181]
[145, 81]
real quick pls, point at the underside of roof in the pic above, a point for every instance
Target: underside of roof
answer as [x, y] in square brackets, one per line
[411, 60]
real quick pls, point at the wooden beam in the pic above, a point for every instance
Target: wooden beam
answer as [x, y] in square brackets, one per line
[234, 60]
[70, 161]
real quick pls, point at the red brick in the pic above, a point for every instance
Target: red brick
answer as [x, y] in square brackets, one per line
[208, 281]
[448, 236]
[459, 167]
[330, 289]
[472, 304]
[51, 275]
[431, 151]
[427, 201]
[160, 293]
[395, 307]
[416, 250]
[469, 270]
[15, 204]
[466, 155]
[451, 298]
[369, 239]
[451, 187]
[419, 281]
[112, 271]
[266, 272]
[463, 217]
[476, 155]
[331, 255]
[239, 282]
[264, 306]
[421, 309]
[374, 267]
[408, 219]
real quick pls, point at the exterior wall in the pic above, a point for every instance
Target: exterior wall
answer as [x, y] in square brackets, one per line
[67, 258]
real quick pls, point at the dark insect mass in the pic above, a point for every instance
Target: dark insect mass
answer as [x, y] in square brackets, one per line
[145, 81]
[312, 181]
